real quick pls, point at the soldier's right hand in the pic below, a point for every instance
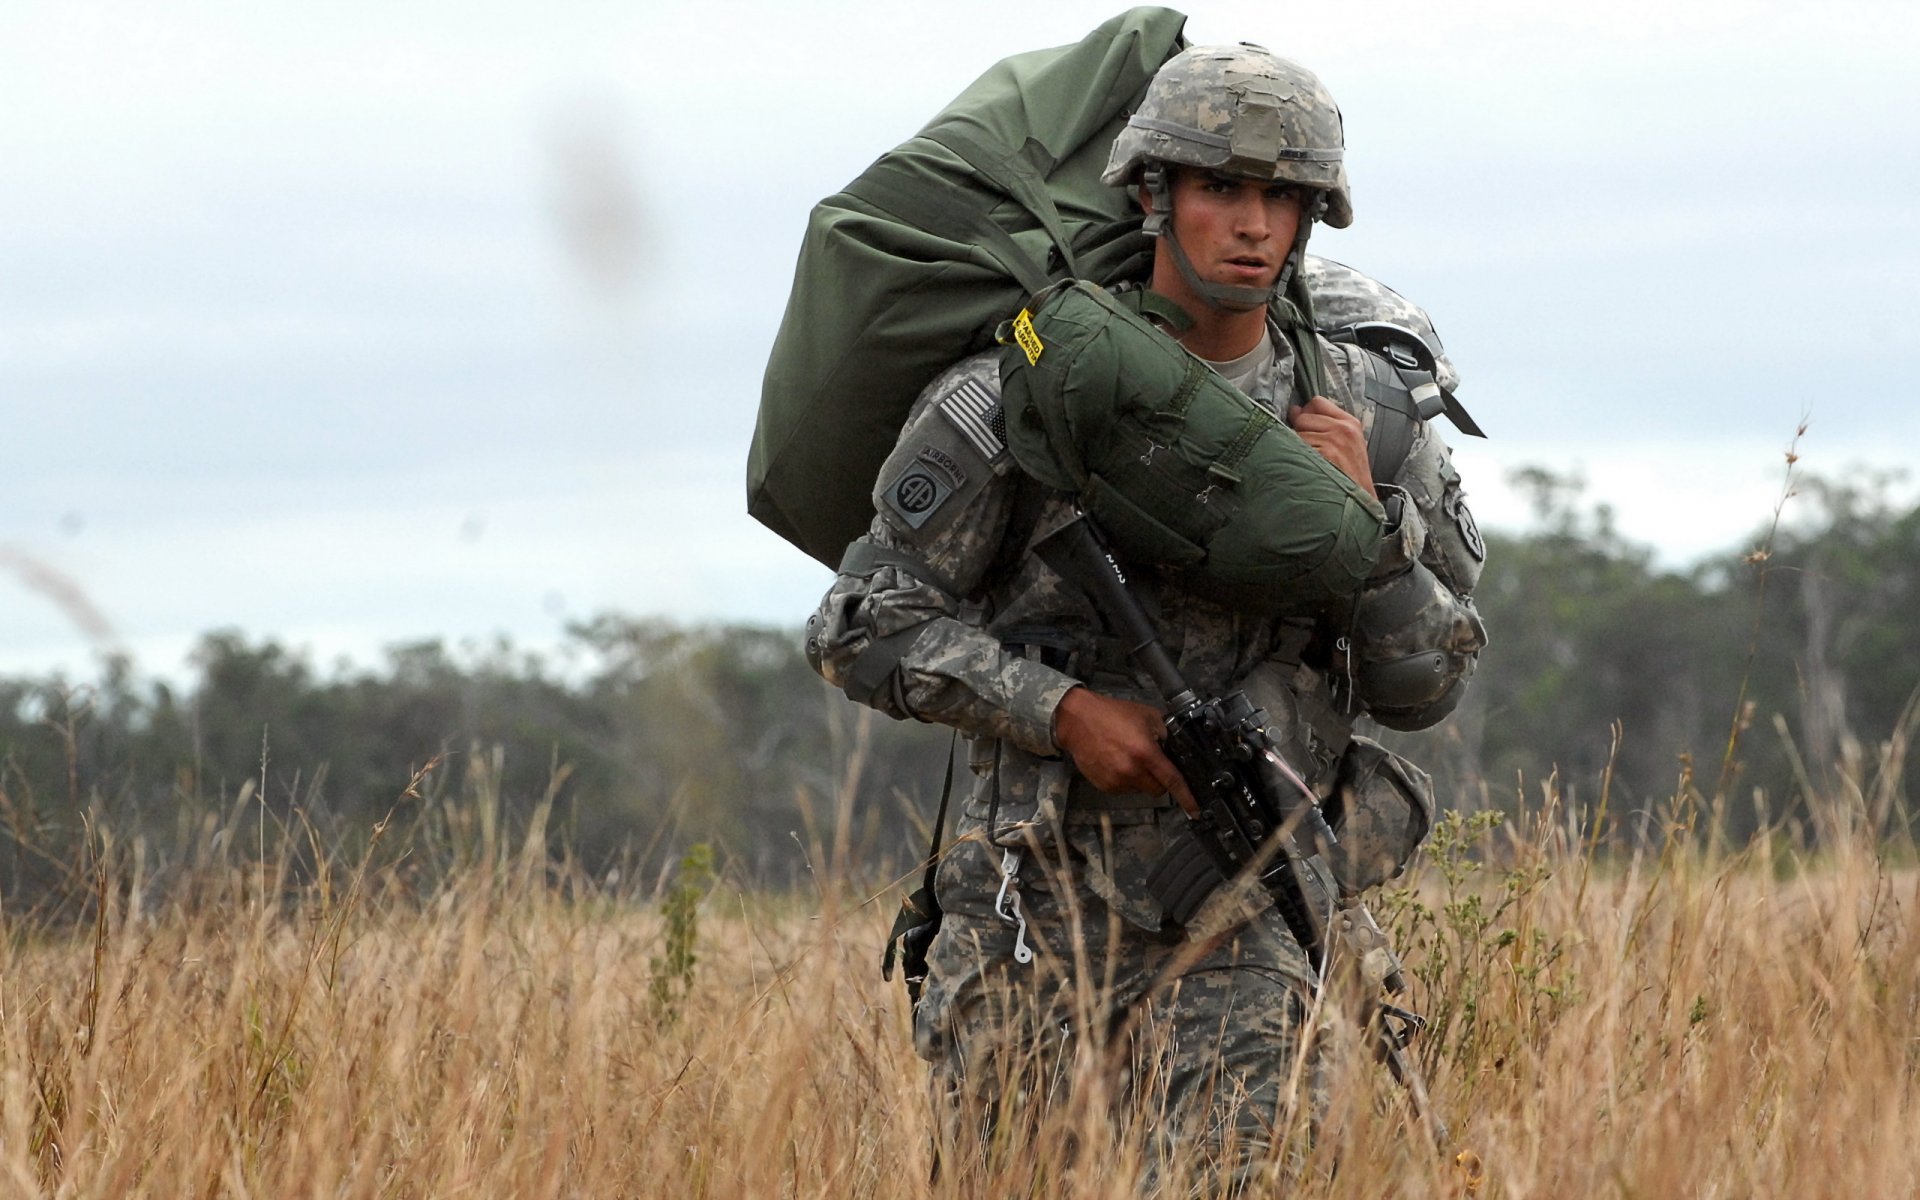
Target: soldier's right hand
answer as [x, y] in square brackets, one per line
[1337, 435]
[1116, 744]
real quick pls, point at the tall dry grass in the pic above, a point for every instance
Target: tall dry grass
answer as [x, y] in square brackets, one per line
[1680, 1023]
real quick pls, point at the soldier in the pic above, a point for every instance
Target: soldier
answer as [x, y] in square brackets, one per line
[942, 612]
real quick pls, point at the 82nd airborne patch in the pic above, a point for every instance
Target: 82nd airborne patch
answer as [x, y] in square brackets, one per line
[916, 494]
[975, 438]
[929, 481]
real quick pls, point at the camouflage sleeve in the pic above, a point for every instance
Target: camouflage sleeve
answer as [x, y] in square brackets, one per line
[1416, 635]
[900, 628]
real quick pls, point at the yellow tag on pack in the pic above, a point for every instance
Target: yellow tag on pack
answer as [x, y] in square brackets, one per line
[1029, 338]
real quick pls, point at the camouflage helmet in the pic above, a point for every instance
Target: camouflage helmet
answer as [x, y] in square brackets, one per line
[1244, 111]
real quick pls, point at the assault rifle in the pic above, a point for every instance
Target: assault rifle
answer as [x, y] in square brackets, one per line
[1255, 817]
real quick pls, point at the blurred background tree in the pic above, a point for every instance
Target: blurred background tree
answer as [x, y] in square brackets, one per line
[646, 737]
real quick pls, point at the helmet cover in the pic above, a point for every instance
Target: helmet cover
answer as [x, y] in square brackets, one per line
[1243, 111]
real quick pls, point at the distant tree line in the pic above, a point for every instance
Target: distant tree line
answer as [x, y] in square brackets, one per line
[1770, 685]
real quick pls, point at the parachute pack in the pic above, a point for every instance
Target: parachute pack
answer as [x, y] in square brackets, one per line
[1175, 465]
[916, 263]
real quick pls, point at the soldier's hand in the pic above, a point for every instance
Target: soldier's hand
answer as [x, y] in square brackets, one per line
[1337, 435]
[1116, 744]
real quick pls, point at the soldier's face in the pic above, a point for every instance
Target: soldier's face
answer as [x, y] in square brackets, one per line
[1235, 231]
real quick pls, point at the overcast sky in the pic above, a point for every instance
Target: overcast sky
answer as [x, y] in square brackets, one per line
[356, 322]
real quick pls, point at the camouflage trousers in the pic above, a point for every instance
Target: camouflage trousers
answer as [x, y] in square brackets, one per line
[1189, 1042]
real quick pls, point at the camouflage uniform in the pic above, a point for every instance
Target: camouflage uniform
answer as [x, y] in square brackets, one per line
[943, 613]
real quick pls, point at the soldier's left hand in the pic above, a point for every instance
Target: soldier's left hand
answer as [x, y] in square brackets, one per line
[1337, 435]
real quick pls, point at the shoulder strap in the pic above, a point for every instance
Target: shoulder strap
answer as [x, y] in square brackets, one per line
[1016, 177]
[1396, 419]
[1149, 303]
[1293, 312]
[941, 214]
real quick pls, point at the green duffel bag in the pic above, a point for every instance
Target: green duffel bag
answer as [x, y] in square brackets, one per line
[1180, 468]
[913, 264]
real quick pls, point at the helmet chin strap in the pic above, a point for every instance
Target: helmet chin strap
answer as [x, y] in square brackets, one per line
[1225, 296]
[1310, 215]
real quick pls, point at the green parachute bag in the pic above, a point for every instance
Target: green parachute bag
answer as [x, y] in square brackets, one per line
[914, 265]
[1176, 465]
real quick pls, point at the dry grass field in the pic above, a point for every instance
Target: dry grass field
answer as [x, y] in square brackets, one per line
[1676, 1024]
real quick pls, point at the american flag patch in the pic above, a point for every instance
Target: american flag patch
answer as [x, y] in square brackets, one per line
[976, 413]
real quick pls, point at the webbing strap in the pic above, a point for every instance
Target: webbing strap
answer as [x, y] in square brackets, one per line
[1331, 728]
[1258, 422]
[1015, 177]
[1167, 422]
[874, 666]
[941, 214]
[1149, 303]
[862, 557]
[1197, 372]
[1297, 322]
[1394, 426]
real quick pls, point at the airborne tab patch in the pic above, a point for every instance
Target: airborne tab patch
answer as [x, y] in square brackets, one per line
[976, 412]
[935, 456]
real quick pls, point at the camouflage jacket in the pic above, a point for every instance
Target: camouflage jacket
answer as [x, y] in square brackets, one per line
[943, 613]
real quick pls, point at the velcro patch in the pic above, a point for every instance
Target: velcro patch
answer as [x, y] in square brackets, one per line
[935, 456]
[917, 494]
[1469, 531]
[976, 412]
